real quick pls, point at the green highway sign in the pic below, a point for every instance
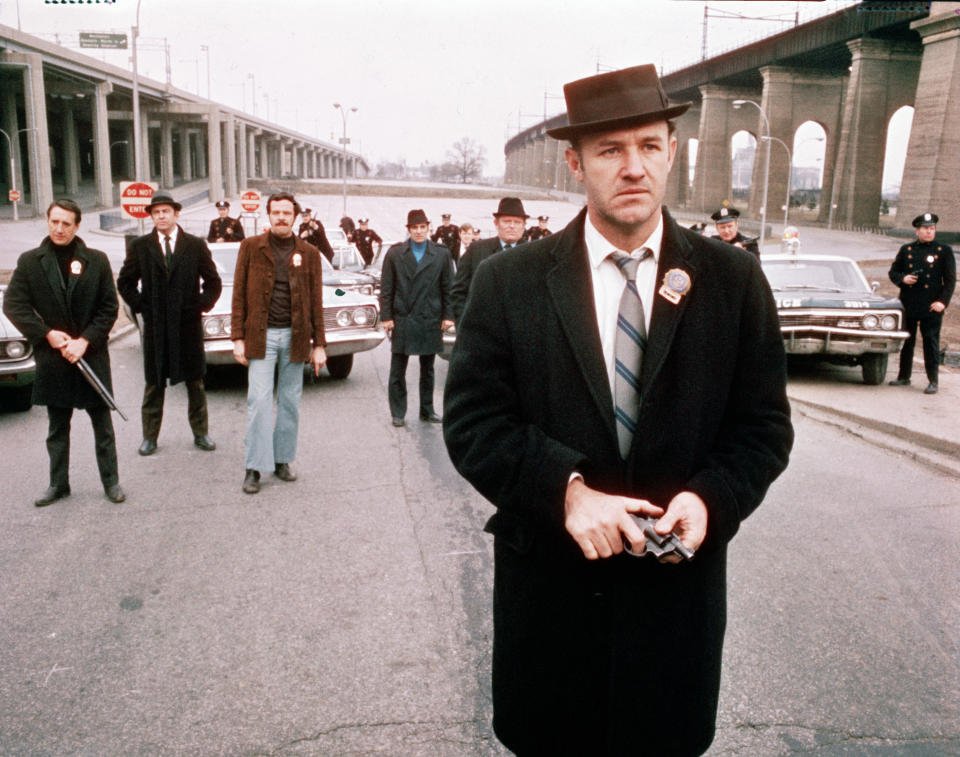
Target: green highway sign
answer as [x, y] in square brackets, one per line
[103, 40]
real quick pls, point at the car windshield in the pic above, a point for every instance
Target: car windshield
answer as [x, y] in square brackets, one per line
[834, 275]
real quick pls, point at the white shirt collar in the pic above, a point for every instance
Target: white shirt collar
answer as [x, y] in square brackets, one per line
[172, 235]
[599, 249]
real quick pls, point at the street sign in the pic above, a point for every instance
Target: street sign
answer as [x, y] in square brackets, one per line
[103, 40]
[250, 201]
[13, 195]
[344, 141]
[135, 196]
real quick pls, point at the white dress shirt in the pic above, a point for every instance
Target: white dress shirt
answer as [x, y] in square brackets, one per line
[609, 281]
[173, 239]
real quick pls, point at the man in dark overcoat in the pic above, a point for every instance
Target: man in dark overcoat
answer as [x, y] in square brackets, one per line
[598, 652]
[62, 297]
[224, 228]
[926, 272]
[511, 221]
[170, 279]
[415, 308]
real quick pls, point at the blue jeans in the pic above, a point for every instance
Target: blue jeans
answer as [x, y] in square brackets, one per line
[266, 449]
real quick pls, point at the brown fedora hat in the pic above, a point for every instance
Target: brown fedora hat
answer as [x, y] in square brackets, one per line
[510, 206]
[416, 216]
[628, 97]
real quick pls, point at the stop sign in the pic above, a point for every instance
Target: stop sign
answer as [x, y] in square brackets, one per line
[13, 195]
[250, 201]
[135, 196]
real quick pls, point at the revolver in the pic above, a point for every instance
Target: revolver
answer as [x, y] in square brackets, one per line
[657, 545]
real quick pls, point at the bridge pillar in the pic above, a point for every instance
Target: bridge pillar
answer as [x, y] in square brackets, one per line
[38, 139]
[241, 151]
[166, 153]
[879, 73]
[678, 182]
[186, 162]
[230, 153]
[264, 158]
[933, 152]
[102, 167]
[252, 155]
[718, 121]
[71, 151]
[215, 155]
[12, 126]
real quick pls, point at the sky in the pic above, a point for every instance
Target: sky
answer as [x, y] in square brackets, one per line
[421, 73]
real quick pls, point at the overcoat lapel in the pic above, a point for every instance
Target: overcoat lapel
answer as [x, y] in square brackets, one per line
[177, 250]
[52, 272]
[569, 284]
[73, 280]
[408, 261]
[426, 262]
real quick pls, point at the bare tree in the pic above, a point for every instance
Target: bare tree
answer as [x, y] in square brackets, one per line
[465, 160]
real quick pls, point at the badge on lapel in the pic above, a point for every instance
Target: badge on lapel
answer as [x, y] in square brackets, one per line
[676, 283]
[296, 260]
[76, 267]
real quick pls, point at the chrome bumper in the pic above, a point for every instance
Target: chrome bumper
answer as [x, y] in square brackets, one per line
[812, 340]
[346, 342]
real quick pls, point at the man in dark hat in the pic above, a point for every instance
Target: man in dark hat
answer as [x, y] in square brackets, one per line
[61, 296]
[448, 234]
[170, 279]
[926, 272]
[415, 307]
[311, 231]
[622, 366]
[511, 221]
[727, 221]
[537, 232]
[364, 238]
[224, 228]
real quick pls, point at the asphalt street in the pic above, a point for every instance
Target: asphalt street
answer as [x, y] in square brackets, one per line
[348, 613]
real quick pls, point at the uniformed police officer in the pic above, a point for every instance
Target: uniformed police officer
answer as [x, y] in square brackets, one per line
[448, 234]
[536, 232]
[224, 228]
[364, 238]
[311, 231]
[926, 272]
[728, 229]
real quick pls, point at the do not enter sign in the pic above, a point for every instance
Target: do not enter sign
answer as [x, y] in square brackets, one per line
[250, 201]
[135, 196]
[13, 195]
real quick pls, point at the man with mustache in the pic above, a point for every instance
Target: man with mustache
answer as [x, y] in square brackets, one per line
[621, 367]
[276, 323]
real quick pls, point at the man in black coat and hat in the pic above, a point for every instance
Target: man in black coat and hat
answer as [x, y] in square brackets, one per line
[926, 272]
[511, 222]
[621, 367]
[61, 296]
[415, 309]
[170, 279]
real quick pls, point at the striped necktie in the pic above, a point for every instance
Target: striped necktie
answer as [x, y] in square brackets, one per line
[630, 343]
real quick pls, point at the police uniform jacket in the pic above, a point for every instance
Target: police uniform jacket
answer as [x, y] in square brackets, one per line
[364, 239]
[316, 235]
[621, 652]
[253, 289]
[416, 297]
[172, 303]
[936, 271]
[750, 245]
[37, 300]
[449, 236]
[534, 233]
[229, 229]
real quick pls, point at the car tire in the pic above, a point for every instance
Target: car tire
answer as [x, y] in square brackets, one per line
[19, 399]
[340, 366]
[874, 368]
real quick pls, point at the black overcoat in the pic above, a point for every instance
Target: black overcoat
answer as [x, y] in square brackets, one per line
[934, 266]
[416, 297]
[172, 305]
[618, 656]
[467, 265]
[38, 301]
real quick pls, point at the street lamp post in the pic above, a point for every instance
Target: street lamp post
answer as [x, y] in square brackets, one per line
[137, 157]
[344, 141]
[13, 173]
[766, 168]
[253, 82]
[206, 49]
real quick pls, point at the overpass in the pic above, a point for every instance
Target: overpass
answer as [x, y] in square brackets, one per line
[849, 72]
[70, 119]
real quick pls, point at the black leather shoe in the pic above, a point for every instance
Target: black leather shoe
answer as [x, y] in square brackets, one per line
[283, 472]
[431, 417]
[51, 495]
[251, 481]
[932, 388]
[899, 382]
[147, 447]
[397, 421]
[114, 493]
[204, 442]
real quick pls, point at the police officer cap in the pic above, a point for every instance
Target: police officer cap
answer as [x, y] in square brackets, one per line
[444, 215]
[363, 220]
[223, 204]
[543, 218]
[926, 219]
[725, 215]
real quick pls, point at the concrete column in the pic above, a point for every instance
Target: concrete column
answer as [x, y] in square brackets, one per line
[145, 150]
[12, 126]
[251, 147]
[71, 151]
[678, 182]
[129, 164]
[264, 158]
[214, 155]
[203, 145]
[166, 153]
[718, 122]
[102, 166]
[38, 139]
[186, 159]
[933, 155]
[230, 152]
[867, 109]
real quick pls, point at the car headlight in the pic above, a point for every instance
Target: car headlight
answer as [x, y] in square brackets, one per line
[361, 316]
[344, 318]
[870, 321]
[888, 322]
[216, 326]
[16, 350]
